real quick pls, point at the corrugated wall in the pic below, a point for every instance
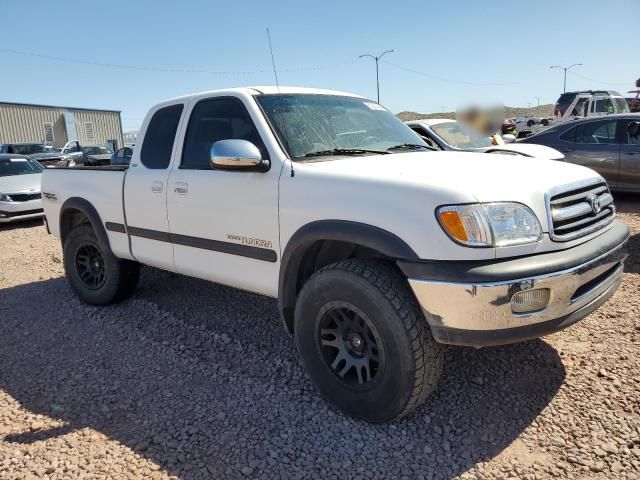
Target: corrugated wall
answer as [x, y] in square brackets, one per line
[106, 126]
[24, 123]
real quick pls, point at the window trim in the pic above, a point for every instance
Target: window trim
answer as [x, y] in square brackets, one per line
[44, 131]
[180, 166]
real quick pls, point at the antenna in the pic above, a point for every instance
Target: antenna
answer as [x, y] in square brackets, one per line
[273, 62]
[275, 74]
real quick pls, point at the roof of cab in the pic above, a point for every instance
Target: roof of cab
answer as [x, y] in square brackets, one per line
[266, 90]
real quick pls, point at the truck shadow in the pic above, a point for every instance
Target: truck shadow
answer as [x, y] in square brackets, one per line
[21, 224]
[202, 400]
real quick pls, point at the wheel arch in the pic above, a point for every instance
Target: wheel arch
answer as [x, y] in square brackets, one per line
[76, 211]
[322, 242]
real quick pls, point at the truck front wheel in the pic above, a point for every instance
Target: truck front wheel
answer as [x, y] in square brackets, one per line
[365, 342]
[97, 276]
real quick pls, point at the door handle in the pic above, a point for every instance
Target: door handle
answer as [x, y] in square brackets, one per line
[568, 150]
[156, 187]
[181, 188]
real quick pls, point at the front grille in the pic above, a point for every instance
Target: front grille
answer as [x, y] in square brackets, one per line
[49, 161]
[24, 197]
[592, 284]
[580, 211]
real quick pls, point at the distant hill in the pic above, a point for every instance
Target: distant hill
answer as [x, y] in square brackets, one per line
[543, 111]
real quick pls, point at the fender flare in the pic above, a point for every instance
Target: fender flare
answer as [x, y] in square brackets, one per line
[358, 233]
[84, 206]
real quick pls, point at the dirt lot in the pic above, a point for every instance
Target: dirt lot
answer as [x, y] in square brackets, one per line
[194, 380]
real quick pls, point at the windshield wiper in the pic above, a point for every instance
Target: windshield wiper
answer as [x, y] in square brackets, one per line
[344, 151]
[410, 146]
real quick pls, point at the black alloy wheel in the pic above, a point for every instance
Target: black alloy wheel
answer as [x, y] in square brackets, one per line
[350, 344]
[90, 267]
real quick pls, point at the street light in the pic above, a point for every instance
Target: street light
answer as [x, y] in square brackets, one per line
[377, 59]
[564, 90]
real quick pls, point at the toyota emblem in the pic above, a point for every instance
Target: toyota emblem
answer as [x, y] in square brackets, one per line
[594, 200]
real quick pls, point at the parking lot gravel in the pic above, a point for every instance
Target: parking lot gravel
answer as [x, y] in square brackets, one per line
[194, 380]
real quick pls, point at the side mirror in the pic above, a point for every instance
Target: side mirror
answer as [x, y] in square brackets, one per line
[236, 154]
[508, 138]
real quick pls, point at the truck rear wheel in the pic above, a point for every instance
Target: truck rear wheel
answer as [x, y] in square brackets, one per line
[97, 276]
[365, 342]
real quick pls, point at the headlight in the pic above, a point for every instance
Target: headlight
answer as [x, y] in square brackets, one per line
[490, 224]
[4, 198]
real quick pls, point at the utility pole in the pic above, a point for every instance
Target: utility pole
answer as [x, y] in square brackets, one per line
[538, 108]
[377, 59]
[564, 88]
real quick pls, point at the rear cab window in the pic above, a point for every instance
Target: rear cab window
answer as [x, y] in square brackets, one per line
[160, 137]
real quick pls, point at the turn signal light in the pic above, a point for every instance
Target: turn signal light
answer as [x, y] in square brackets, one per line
[452, 223]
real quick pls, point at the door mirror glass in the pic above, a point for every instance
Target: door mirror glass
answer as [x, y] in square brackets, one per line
[236, 154]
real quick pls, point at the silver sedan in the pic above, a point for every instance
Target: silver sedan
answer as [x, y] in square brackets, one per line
[20, 194]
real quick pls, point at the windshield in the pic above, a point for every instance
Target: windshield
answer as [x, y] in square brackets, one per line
[18, 166]
[95, 150]
[460, 136]
[308, 124]
[32, 148]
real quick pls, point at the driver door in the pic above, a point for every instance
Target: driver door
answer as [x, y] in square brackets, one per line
[223, 223]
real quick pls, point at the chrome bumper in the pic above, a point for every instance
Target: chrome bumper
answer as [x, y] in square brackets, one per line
[480, 314]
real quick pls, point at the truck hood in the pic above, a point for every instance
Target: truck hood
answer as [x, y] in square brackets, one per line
[465, 176]
[20, 183]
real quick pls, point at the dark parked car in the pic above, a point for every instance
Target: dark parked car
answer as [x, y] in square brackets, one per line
[609, 145]
[85, 155]
[122, 156]
[96, 155]
[42, 153]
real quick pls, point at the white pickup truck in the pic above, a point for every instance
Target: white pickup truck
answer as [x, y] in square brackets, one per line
[378, 249]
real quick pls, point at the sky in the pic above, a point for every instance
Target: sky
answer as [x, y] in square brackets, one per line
[129, 55]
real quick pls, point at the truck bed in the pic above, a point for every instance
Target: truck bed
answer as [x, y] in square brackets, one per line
[102, 187]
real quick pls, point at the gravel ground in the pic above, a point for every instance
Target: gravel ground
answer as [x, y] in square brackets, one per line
[193, 380]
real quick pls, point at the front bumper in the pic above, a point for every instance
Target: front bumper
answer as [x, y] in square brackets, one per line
[479, 313]
[15, 211]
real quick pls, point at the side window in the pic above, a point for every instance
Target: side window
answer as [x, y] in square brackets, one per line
[213, 120]
[569, 135]
[424, 136]
[161, 133]
[604, 106]
[580, 108]
[592, 133]
[632, 131]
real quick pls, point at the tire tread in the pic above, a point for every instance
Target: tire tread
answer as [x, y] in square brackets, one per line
[393, 286]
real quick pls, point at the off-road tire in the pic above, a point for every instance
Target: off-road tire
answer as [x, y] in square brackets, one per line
[410, 359]
[120, 276]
